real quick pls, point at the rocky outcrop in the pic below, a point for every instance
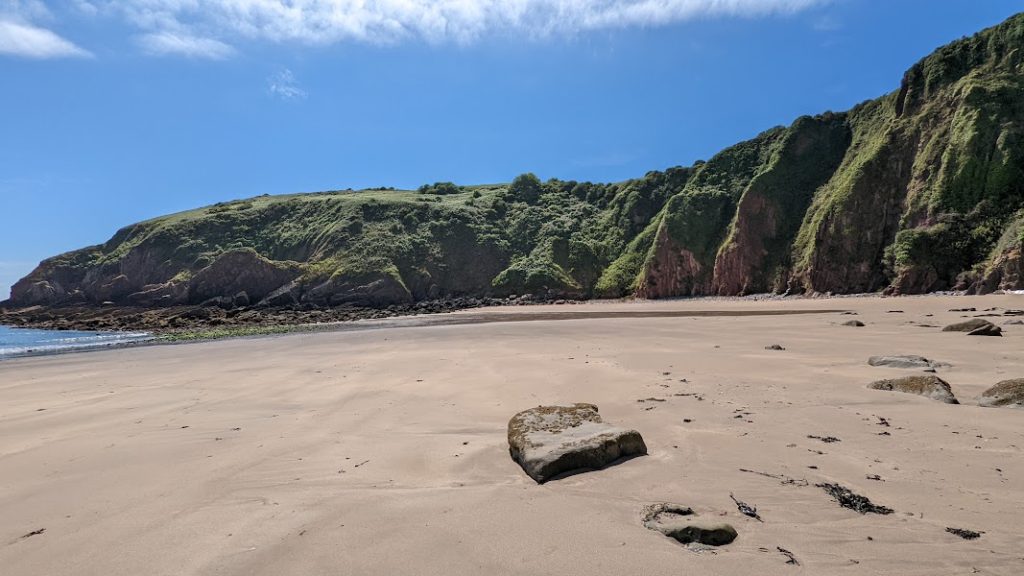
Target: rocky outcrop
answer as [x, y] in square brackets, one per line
[551, 440]
[685, 526]
[1008, 394]
[240, 271]
[369, 290]
[928, 386]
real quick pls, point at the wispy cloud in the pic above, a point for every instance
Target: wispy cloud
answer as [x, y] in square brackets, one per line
[178, 44]
[437, 21]
[283, 85]
[20, 36]
[827, 23]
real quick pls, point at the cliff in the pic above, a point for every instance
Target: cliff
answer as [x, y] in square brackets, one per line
[919, 190]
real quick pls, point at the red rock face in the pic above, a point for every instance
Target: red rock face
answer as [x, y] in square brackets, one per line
[739, 268]
[674, 271]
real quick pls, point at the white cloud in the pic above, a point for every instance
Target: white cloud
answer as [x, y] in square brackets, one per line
[388, 21]
[179, 44]
[283, 85]
[20, 37]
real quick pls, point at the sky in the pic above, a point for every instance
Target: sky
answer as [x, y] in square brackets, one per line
[115, 111]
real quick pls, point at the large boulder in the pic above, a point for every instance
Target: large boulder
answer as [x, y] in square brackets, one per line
[549, 440]
[928, 386]
[905, 361]
[686, 526]
[1008, 393]
[975, 327]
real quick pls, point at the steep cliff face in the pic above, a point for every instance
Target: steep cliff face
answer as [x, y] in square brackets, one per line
[919, 190]
[756, 255]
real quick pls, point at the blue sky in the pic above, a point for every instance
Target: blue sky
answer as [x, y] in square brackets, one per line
[114, 111]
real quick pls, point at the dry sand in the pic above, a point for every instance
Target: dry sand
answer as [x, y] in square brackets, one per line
[383, 451]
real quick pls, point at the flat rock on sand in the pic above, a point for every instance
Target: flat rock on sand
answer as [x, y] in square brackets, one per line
[905, 361]
[1008, 393]
[686, 526]
[549, 440]
[928, 386]
[975, 327]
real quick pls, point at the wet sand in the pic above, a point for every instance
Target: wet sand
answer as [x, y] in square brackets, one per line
[383, 450]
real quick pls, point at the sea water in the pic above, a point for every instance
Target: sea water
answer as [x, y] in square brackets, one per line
[30, 341]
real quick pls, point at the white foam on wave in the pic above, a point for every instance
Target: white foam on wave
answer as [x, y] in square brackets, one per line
[56, 343]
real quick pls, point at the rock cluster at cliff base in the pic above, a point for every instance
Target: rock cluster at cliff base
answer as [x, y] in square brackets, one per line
[928, 386]
[550, 440]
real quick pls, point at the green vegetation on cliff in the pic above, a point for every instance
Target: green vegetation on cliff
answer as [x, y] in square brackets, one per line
[921, 189]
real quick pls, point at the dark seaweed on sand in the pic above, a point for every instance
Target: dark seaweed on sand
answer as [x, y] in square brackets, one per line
[848, 499]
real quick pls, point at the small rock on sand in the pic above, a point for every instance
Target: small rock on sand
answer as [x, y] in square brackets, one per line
[928, 386]
[905, 361]
[774, 347]
[684, 525]
[549, 440]
[975, 327]
[1008, 394]
[854, 323]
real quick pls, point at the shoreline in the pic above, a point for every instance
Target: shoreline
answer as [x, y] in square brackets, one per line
[459, 318]
[519, 312]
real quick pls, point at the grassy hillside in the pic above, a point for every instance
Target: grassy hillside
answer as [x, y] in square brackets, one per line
[921, 189]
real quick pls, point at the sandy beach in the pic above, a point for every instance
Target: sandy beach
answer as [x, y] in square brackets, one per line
[383, 451]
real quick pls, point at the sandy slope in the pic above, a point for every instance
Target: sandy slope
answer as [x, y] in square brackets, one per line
[384, 452]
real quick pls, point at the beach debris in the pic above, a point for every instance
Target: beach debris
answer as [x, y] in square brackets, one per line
[642, 400]
[685, 526]
[848, 499]
[905, 361]
[964, 533]
[1008, 394]
[36, 532]
[883, 421]
[746, 509]
[894, 312]
[874, 477]
[774, 347]
[1013, 312]
[790, 558]
[550, 440]
[854, 323]
[928, 386]
[825, 439]
[963, 309]
[975, 327]
[784, 480]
